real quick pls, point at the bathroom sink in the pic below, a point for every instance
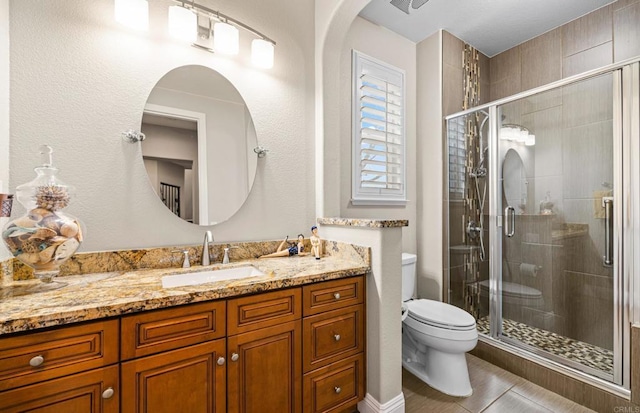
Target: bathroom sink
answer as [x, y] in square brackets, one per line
[210, 276]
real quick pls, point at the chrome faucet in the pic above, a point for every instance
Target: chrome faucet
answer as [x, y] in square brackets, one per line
[208, 237]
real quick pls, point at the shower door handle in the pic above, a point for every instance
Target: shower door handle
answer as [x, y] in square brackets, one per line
[607, 204]
[509, 221]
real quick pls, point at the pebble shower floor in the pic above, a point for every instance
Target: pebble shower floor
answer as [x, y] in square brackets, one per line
[584, 353]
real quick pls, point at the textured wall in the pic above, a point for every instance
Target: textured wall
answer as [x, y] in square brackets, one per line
[78, 80]
[397, 51]
[4, 107]
[430, 168]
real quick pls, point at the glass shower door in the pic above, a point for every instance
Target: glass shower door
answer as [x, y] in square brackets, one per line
[558, 173]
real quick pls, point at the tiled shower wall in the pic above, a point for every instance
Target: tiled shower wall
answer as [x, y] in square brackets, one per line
[454, 208]
[580, 289]
[602, 37]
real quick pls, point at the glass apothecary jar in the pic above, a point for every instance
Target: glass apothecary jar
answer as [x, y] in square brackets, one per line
[45, 237]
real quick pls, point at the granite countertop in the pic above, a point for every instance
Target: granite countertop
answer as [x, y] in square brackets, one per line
[31, 304]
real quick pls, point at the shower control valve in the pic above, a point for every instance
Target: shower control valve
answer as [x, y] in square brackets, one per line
[473, 230]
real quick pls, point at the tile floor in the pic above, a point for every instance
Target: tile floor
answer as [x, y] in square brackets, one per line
[494, 391]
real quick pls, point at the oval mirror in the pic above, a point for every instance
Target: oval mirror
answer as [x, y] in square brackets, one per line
[198, 150]
[514, 180]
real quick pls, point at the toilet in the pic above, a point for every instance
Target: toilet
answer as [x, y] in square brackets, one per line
[515, 298]
[435, 338]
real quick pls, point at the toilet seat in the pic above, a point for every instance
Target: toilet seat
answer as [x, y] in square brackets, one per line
[440, 315]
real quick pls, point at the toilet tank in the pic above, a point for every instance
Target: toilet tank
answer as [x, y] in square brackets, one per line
[408, 275]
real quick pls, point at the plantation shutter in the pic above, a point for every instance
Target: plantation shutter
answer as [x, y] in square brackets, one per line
[378, 136]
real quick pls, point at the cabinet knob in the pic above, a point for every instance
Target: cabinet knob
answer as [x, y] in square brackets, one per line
[108, 393]
[36, 361]
[220, 361]
[337, 337]
[337, 390]
[234, 356]
[336, 296]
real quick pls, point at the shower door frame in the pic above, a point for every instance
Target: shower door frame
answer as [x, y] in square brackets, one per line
[626, 81]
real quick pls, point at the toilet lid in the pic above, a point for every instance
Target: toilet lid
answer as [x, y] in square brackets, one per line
[440, 314]
[515, 290]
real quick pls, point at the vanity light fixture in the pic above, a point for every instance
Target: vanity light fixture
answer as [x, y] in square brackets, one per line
[262, 53]
[184, 24]
[518, 134]
[132, 13]
[226, 38]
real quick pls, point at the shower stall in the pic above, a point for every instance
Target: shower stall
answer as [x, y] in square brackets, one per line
[542, 198]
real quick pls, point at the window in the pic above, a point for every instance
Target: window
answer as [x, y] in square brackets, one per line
[378, 170]
[457, 156]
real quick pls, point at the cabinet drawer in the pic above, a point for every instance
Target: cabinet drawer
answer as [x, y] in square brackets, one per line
[333, 294]
[152, 332]
[263, 310]
[335, 388]
[332, 336]
[59, 352]
[96, 391]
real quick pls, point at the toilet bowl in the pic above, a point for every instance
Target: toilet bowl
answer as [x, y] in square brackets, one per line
[435, 338]
[515, 297]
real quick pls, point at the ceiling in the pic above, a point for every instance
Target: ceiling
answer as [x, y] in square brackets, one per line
[491, 26]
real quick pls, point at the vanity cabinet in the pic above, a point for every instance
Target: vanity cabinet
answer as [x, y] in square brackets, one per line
[264, 350]
[294, 350]
[69, 369]
[173, 360]
[186, 380]
[334, 342]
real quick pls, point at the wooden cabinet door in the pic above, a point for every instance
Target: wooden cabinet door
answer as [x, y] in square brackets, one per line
[95, 391]
[191, 380]
[264, 370]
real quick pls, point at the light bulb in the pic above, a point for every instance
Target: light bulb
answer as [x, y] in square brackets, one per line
[226, 39]
[183, 24]
[262, 53]
[521, 135]
[506, 133]
[531, 140]
[132, 13]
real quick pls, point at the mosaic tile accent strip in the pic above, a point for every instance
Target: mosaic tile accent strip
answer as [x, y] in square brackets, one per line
[578, 351]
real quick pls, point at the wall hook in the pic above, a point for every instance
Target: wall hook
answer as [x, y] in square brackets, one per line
[133, 136]
[261, 151]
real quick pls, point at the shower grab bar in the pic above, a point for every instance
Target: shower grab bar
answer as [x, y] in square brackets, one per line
[509, 221]
[607, 204]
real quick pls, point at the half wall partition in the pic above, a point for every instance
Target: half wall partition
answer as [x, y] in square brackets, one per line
[544, 260]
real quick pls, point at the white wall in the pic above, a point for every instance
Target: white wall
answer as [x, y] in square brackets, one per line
[4, 108]
[391, 48]
[430, 167]
[79, 80]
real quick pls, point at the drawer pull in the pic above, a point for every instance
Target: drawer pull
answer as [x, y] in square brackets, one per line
[336, 296]
[234, 356]
[36, 361]
[337, 337]
[337, 390]
[220, 361]
[107, 394]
